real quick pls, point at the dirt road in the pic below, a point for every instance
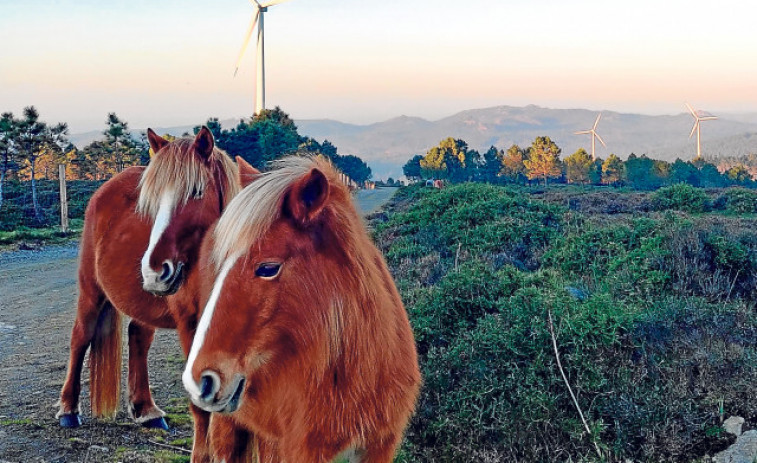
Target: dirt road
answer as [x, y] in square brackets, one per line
[37, 306]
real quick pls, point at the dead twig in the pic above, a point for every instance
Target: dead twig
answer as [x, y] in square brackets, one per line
[732, 285]
[172, 447]
[565, 378]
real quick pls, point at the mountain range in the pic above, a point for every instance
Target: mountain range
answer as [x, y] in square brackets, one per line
[387, 145]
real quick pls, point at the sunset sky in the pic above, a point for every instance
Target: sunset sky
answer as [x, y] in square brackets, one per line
[169, 62]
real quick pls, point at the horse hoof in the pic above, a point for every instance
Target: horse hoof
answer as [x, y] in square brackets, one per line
[156, 423]
[70, 420]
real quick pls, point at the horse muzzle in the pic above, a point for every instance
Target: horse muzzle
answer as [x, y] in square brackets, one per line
[166, 282]
[211, 395]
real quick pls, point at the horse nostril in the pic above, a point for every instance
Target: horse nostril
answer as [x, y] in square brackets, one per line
[167, 271]
[209, 384]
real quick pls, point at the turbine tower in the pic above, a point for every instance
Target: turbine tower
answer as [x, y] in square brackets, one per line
[699, 116]
[257, 18]
[594, 136]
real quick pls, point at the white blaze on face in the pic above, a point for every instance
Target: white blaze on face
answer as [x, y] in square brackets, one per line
[162, 219]
[202, 328]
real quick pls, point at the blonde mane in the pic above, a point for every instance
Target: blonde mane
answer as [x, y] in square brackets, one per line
[252, 212]
[176, 169]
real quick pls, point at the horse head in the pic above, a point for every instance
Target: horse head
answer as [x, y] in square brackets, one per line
[183, 192]
[282, 262]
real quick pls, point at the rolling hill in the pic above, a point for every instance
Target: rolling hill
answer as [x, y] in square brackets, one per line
[387, 145]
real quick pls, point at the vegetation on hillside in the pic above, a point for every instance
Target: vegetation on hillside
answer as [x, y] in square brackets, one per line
[272, 134]
[455, 162]
[31, 150]
[653, 307]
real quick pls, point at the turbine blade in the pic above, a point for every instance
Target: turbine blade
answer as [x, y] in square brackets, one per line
[255, 3]
[600, 139]
[691, 110]
[582, 132]
[694, 129]
[247, 37]
[708, 118]
[272, 2]
[599, 116]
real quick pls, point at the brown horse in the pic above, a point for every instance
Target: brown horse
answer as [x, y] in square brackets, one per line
[141, 240]
[303, 339]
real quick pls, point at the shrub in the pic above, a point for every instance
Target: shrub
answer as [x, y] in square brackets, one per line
[740, 201]
[470, 219]
[459, 300]
[681, 196]
[660, 334]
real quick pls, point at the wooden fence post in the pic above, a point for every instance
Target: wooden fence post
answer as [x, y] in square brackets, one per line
[63, 198]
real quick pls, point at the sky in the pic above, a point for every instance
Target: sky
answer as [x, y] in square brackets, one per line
[161, 63]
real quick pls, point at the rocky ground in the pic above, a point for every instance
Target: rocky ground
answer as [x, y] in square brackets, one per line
[37, 309]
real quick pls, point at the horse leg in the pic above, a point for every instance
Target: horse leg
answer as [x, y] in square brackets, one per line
[91, 300]
[142, 408]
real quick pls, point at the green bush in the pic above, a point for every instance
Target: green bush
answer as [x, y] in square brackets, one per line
[458, 300]
[740, 201]
[681, 196]
[470, 219]
[653, 323]
[496, 388]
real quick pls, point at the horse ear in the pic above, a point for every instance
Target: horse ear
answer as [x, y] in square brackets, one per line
[307, 197]
[247, 173]
[204, 143]
[156, 141]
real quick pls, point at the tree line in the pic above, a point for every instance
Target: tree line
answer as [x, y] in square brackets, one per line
[272, 133]
[454, 161]
[31, 149]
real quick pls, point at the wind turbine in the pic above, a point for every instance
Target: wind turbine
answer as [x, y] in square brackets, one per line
[594, 136]
[699, 116]
[257, 18]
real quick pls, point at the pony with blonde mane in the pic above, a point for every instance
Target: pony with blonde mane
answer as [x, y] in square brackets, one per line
[139, 249]
[303, 341]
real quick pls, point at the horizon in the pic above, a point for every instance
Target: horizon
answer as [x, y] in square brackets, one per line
[722, 116]
[171, 63]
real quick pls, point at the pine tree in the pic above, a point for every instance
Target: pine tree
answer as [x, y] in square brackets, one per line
[492, 164]
[543, 160]
[578, 167]
[450, 159]
[120, 146]
[512, 164]
[613, 170]
[7, 148]
[33, 138]
[412, 168]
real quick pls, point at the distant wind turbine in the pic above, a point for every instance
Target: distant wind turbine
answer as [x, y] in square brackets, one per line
[257, 17]
[594, 136]
[699, 116]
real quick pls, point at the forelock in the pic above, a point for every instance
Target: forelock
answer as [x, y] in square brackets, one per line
[253, 211]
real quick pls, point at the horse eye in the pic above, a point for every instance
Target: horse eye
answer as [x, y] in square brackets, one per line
[268, 270]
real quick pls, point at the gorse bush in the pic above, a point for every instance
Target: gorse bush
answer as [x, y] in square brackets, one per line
[651, 315]
[471, 219]
[740, 200]
[681, 196]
